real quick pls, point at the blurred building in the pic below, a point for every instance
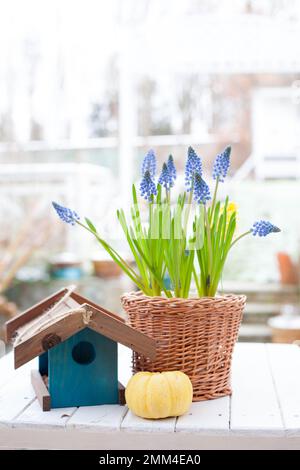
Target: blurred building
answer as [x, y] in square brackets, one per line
[99, 83]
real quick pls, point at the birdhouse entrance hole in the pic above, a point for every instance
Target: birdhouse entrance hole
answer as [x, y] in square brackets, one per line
[83, 353]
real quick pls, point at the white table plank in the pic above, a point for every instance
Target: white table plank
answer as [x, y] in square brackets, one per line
[33, 416]
[255, 413]
[133, 423]
[206, 417]
[254, 405]
[24, 438]
[103, 417]
[15, 396]
[8, 370]
[285, 366]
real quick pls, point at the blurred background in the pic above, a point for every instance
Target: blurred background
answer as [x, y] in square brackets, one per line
[87, 87]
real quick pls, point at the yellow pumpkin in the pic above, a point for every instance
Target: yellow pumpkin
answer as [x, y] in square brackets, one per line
[157, 395]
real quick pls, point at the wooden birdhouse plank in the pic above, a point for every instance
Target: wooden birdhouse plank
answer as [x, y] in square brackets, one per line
[83, 300]
[43, 363]
[83, 370]
[41, 390]
[122, 333]
[33, 312]
[76, 341]
[48, 337]
[122, 399]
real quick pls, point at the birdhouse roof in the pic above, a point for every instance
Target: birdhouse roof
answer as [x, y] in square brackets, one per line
[63, 314]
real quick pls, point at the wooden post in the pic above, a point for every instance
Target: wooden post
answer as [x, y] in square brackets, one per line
[127, 119]
[41, 390]
[121, 388]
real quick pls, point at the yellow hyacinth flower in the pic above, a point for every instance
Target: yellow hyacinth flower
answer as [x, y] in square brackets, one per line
[231, 208]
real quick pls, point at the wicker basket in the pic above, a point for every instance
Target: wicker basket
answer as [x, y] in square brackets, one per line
[196, 336]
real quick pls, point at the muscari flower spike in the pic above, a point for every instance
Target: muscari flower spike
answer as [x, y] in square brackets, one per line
[193, 166]
[149, 163]
[171, 168]
[66, 214]
[168, 174]
[147, 187]
[201, 190]
[165, 178]
[262, 228]
[221, 165]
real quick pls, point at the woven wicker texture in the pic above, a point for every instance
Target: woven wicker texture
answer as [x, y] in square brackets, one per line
[196, 336]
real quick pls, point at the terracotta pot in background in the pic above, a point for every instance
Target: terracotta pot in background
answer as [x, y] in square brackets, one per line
[286, 327]
[289, 273]
[106, 268]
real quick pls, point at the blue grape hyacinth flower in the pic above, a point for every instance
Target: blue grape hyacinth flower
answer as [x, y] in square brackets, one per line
[165, 178]
[171, 168]
[193, 166]
[221, 165]
[147, 187]
[262, 228]
[66, 214]
[168, 174]
[149, 163]
[201, 190]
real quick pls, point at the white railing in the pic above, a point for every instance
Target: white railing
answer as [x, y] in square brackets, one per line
[245, 170]
[107, 142]
[89, 189]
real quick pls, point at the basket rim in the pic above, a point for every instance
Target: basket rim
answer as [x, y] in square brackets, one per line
[139, 295]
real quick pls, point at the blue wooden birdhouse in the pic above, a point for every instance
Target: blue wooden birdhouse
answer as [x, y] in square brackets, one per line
[76, 341]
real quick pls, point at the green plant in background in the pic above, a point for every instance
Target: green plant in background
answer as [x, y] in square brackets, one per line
[185, 240]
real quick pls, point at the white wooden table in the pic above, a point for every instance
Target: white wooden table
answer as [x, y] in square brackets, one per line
[263, 412]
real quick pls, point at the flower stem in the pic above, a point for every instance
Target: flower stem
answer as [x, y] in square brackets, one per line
[214, 197]
[120, 261]
[168, 196]
[104, 244]
[209, 248]
[188, 209]
[239, 238]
